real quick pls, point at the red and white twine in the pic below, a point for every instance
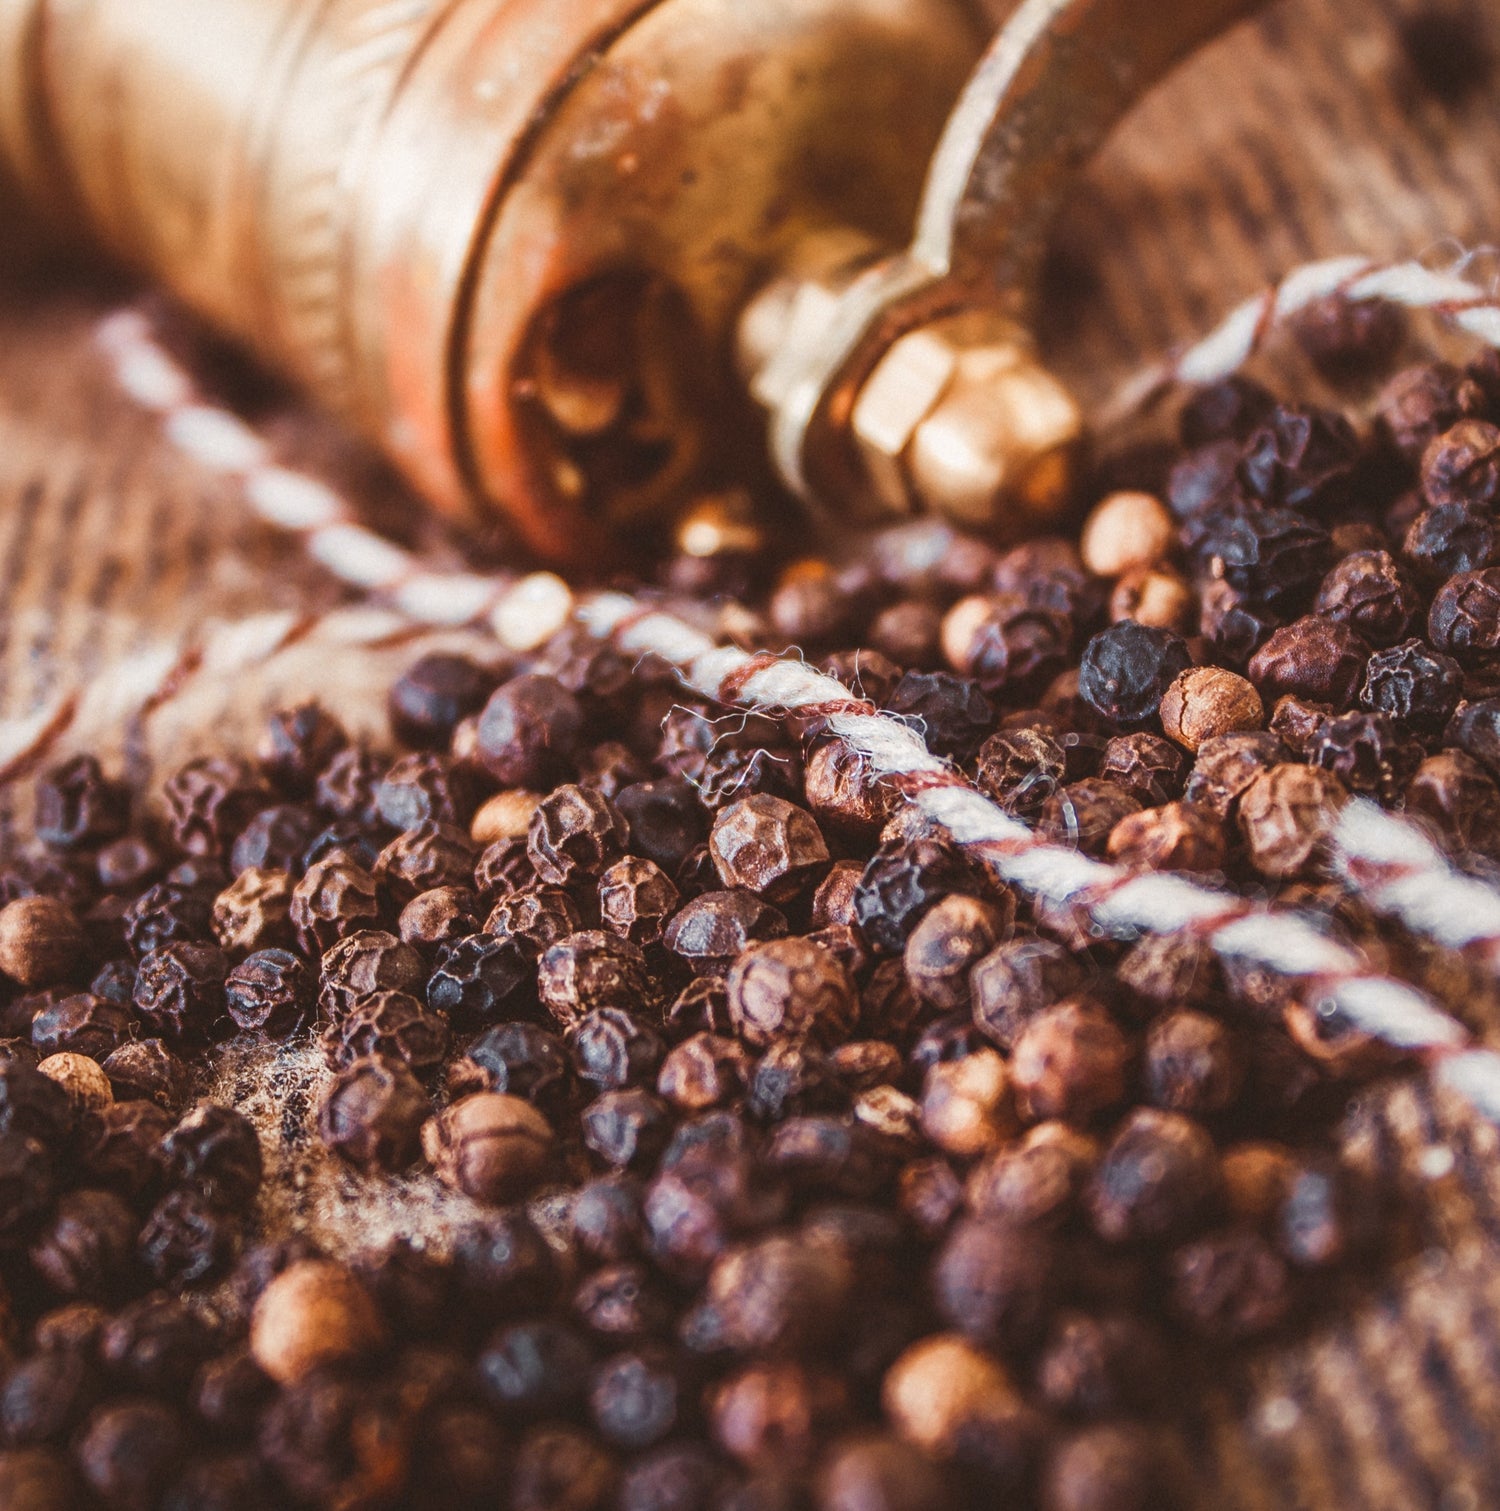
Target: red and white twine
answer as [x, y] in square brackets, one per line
[1391, 863]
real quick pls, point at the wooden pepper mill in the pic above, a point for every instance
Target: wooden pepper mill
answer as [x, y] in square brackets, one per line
[524, 245]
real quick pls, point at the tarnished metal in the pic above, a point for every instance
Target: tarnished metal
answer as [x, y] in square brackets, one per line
[511, 240]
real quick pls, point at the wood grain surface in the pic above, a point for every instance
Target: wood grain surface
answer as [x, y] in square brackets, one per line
[1306, 134]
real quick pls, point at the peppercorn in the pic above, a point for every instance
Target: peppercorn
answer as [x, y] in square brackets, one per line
[1366, 754]
[253, 913]
[1464, 620]
[1014, 983]
[1174, 837]
[790, 988]
[430, 855]
[372, 1114]
[297, 743]
[391, 1024]
[1230, 1286]
[622, 1303]
[1450, 538]
[535, 917]
[120, 1146]
[41, 942]
[1416, 687]
[529, 731]
[129, 1452]
[968, 1103]
[1286, 817]
[1316, 657]
[146, 1068]
[848, 801]
[156, 1344]
[767, 846]
[186, 1240]
[1226, 765]
[1193, 1064]
[431, 697]
[636, 898]
[591, 970]
[520, 1058]
[1039, 1182]
[77, 807]
[1272, 558]
[215, 1150]
[209, 801]
[1127, 668]
[81, 1024]
[1020, 769]
[1205, 702]
[439, 916]
[1301, 459]
[314, 1313]
[276, 839]
[1159, 1177]
[270, 992]
[1347, 339]
[1456, 795]
[1086, 813]
[1126, 530]
[335, 897]
[83, 1079]
[490, 1146]
[126, 864]
[425, 787]
[1007, 642]
[536, 1369]
[773, 1415]
[996, 1284]
[346, 785]
[179, 992]
[1069, 1062]
[901, 881]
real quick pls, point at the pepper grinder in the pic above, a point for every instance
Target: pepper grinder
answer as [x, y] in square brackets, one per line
[549, 255]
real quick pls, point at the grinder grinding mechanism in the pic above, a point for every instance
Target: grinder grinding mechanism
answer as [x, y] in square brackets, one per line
[539, 250]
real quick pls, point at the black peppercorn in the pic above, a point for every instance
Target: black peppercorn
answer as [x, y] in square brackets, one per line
[270, 992]
[146, 1069]
[298, 743]
[522, 1059]
[529, 731]
[372, 1114]
[1127, 668]
[391, 1024]
[78, 807]
[179, 992]
[1416, 687]
[187, 1239]
[431, 697]
[215, 1150]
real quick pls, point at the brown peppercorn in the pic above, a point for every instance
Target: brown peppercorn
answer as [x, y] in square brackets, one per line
[575, 834]
[314, 1313]
[1021, 768]
[944, 947]
[209, 801]
[363, 963]
[996, 1284]
[1462, 466]
[790, 988]
[782, 1294]
[846, 799]
[1016, 981]
[335, 897]
[439, 916]
[1147, 766]
[1227, 764]
[833, 902]
[1193, 1064]
[1369, 592]
[391, 1024]
[535, 917]
[83, 1079]
[874, 1473]
[1296, 722]
[703, 1071]
[1315, 657]
[1174, 837]
[179, 992]
[41, 942]
[967, 1104]
[592, 970]
[372, 1114]
[1126, 530]
[1070, 1062]
[271, 992]
[1286, 816]
[1257, 1178]
[1159, 1177]
[1230, 1286]
[1085, 813]
[493, 1147]
[430, 855]
[253, 913]
[1455, 794]
[77, 806]
[636, 898]
[767, 846]
[1038, 1182]
[1206, 701]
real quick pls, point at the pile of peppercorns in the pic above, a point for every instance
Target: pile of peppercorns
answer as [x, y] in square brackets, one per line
[886, 1189]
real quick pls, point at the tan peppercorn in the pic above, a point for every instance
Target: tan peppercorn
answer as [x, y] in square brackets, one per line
[961, 624]
[845, 798]
[1174, 837]
[967, 1107]
[507, 815]
[1257, 1177]
[313, 1313]
[40, 940]
[83, 1079]
[490, 1146]
[1206, 701]
[1070, 1063]
[944, 1387]
[254, 911]
[1126, 530]
[1286, 816]
[1154, 596]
